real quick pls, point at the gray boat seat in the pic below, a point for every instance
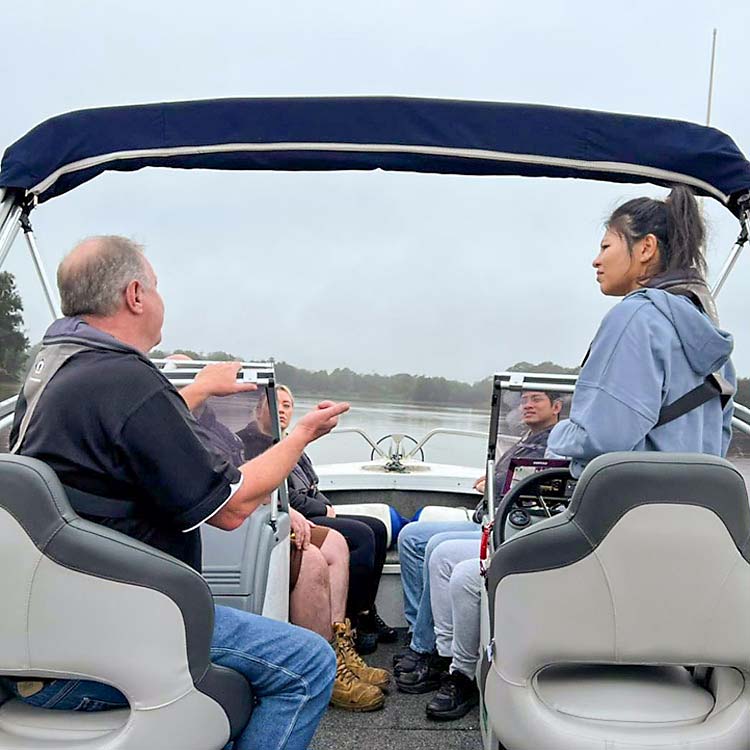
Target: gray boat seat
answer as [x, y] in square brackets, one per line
[82, 601]
[623, 622]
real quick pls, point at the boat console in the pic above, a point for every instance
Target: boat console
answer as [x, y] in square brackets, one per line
[544, 494]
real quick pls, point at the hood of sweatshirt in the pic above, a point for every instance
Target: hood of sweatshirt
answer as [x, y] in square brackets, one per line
[77, 328]
[707, 347]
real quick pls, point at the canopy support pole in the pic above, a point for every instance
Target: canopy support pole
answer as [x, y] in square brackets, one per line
[734, 253]
[38, 264]
[10, 213]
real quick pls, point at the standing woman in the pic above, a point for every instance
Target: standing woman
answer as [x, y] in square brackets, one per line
[658, 344]
[366, 537]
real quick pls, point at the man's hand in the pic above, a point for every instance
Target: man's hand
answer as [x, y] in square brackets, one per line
[479, 485]
[320, 421]
[301, 529]
[218, 379]
[330, 512]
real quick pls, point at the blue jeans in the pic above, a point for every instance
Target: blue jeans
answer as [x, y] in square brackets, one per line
[291, 671]
[413, 543]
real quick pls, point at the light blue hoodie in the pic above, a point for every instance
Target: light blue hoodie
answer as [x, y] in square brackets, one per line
[651, 349]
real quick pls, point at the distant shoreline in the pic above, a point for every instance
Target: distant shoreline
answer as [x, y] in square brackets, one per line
[395, 401]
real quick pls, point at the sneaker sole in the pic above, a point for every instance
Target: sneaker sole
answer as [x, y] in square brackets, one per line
[418, 689]
[456, 713]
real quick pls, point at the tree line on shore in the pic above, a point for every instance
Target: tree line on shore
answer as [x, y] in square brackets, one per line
[343, 383]
[340, 383]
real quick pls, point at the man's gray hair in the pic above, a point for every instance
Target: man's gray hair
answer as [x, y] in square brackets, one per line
[93, 284]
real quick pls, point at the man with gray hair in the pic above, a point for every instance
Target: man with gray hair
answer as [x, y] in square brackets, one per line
[125, 446]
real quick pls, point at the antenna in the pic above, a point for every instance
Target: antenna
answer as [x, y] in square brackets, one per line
[711, 80]
[702, 201]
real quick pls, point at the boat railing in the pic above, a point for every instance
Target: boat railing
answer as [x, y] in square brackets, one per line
[741, 418]
[419, 445]
[363, 434]
[448, 431]
[8, 406]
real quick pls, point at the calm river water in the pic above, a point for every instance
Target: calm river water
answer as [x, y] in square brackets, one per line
[379, 419]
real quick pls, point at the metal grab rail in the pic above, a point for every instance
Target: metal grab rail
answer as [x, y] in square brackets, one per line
[8, 406]
[362, 433]
[432, 433]
[443, 431]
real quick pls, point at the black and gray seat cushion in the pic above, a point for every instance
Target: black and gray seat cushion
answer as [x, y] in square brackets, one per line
[596, 612]
[82, 601]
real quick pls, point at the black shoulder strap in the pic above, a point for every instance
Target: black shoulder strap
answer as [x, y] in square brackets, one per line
[714, 385]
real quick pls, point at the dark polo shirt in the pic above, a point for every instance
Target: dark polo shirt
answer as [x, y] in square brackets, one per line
[110, 424]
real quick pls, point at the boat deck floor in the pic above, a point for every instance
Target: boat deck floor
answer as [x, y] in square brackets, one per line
[401, 725]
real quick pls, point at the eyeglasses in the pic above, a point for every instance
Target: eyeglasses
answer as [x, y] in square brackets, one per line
[536, 398]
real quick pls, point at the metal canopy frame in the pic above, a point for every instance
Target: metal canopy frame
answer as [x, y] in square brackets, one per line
[14, 217]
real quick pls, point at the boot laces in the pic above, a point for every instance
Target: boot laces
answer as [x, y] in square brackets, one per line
[344, 674]
[347, 646]
[380, 623]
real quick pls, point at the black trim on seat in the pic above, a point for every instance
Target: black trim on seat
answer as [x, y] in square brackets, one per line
[232, 692]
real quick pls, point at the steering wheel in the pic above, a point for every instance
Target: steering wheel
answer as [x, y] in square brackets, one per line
[395, 447]
[528, 486]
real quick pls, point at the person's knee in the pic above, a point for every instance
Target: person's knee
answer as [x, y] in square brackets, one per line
[466, 580]
[435, 550]
[322, 660]
[318, 568]
[335, 547]
[407, 540]
[440, 565]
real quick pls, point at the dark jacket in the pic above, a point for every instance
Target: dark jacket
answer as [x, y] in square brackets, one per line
[304, 495]
[220, 437]
[254, 442]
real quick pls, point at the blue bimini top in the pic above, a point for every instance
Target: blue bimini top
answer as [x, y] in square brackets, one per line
[396, 134]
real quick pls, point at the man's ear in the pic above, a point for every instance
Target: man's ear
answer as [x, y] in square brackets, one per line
[134, 297]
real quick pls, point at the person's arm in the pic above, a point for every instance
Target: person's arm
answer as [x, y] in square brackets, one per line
[300, 500]
[218, 379]
[267, 471]
[619, 393]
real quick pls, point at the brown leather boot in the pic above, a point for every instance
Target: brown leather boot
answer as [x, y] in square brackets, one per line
[350, 692]
[344, 640]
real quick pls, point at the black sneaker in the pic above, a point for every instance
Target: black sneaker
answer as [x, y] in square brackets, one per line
[372, 622]
[406, 660]
[457, 695]
[425, 676]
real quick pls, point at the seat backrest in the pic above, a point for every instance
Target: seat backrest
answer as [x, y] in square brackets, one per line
[649, 565]
[80, 599]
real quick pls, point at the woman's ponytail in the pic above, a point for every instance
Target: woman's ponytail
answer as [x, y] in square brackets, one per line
[685, 232]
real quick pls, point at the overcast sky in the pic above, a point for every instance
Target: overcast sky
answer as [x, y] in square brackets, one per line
[440, 275]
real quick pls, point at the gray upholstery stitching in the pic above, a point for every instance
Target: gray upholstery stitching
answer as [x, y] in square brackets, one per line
[606, 580]
[28, 607]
